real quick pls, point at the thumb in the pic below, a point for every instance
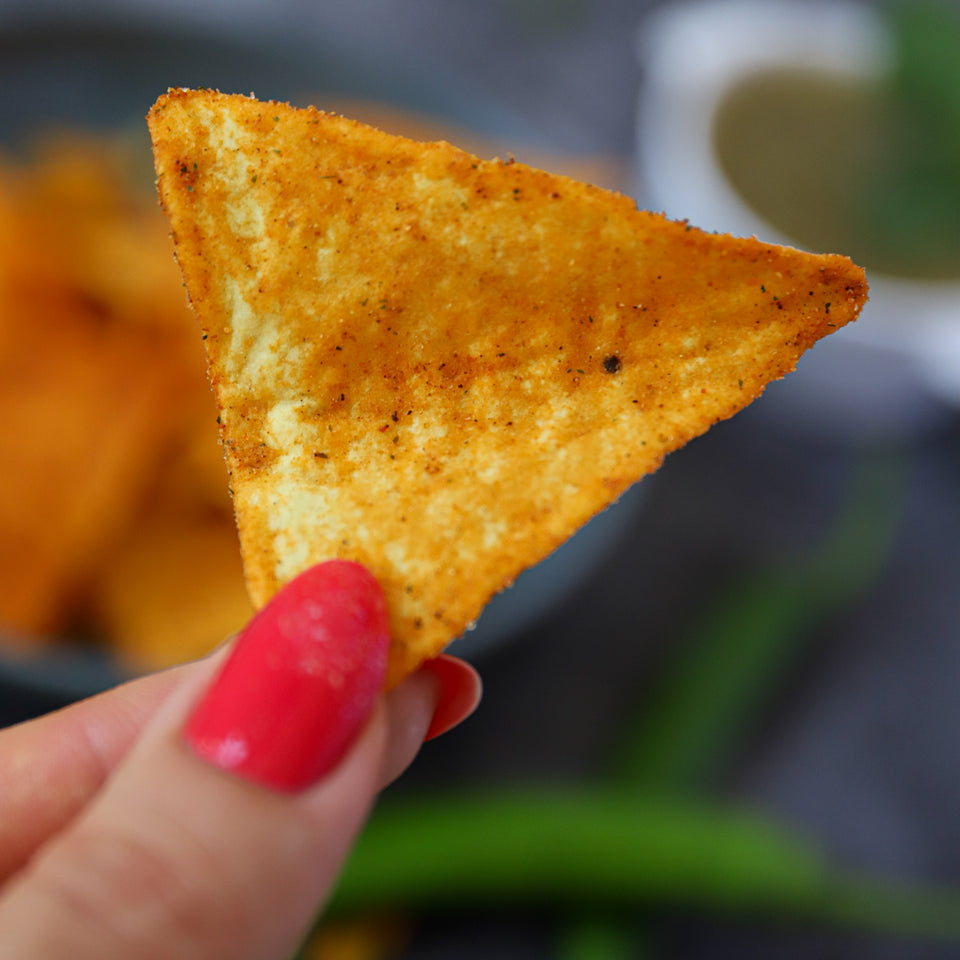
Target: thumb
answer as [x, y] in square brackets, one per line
[178, 857]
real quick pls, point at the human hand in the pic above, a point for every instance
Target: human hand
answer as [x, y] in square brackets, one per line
[118, 840]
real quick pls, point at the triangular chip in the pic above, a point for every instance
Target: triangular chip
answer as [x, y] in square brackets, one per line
[442, 366]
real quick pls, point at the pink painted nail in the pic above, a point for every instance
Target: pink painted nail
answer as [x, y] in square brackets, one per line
[460, 692]
[300, 682]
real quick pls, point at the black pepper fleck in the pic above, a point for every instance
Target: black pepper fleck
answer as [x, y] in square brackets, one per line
[611, 364]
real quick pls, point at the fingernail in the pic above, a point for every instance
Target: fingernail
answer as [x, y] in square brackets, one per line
[460, 689]
[300, 682]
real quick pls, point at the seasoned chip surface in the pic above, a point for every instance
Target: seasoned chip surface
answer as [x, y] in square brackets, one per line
[442, 366]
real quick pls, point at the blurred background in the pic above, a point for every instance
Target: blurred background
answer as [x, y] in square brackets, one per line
[725, 720]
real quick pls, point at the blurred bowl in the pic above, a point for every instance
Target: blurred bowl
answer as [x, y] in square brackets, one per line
[104, 77]
[892, 372]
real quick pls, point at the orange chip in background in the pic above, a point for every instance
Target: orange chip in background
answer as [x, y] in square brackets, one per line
[174, 592]
[193, 479]
[103, 396]
[93, 229]
[76, 460]
[441, 366]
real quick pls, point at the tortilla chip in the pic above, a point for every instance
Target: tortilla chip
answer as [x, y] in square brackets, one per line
[75, 396]
[114, 509]
[90, 228]
[441, 366]
[174, 592]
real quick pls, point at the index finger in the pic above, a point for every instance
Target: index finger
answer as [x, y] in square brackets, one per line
[50, 767]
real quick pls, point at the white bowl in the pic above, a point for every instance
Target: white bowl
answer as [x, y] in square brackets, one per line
[880, 373]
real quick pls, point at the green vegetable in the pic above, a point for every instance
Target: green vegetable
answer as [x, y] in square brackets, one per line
[562, 849]
[739, 651]
[575, 848]
[736, 657]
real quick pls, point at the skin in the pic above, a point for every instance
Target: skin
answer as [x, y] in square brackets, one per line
[117, 841]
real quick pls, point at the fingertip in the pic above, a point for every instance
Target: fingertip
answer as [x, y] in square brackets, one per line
[459, 692]
[428, 703]
[300, 681]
